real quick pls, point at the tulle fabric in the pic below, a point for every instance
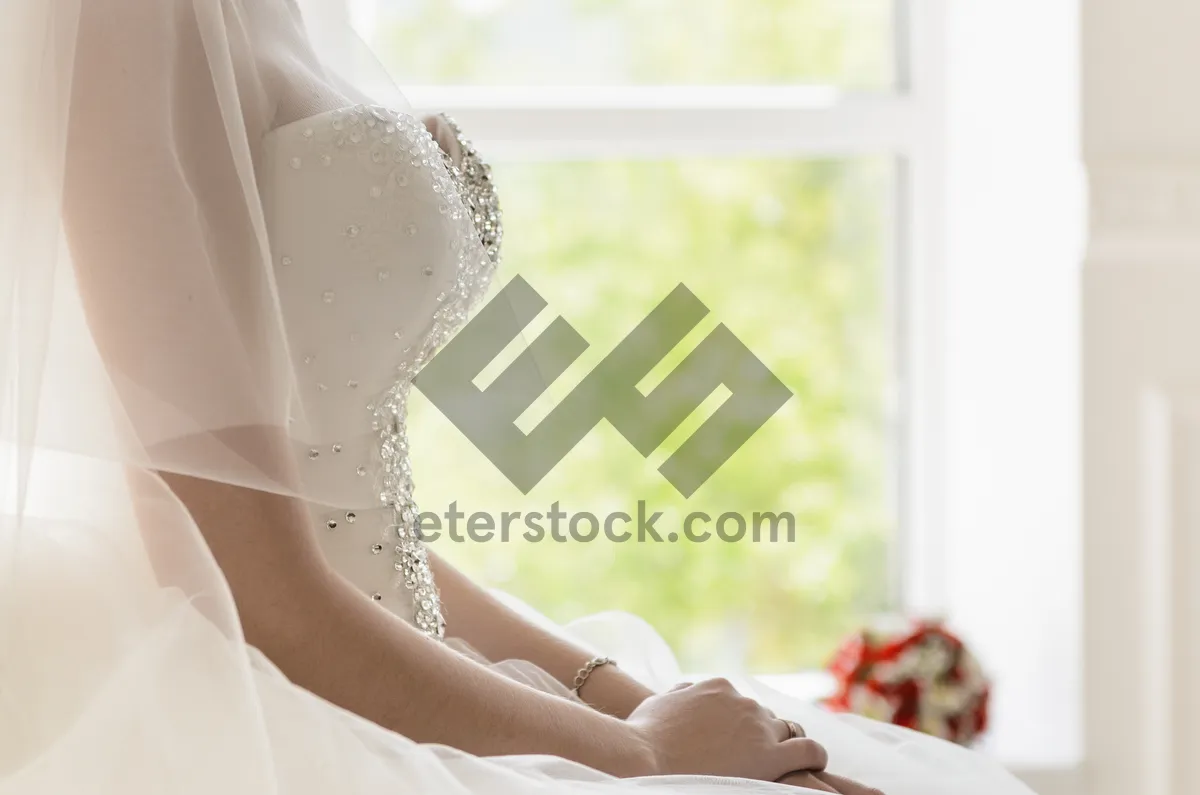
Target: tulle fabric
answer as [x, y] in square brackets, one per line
[140, 333]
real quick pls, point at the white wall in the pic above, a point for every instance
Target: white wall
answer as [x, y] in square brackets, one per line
[1015, 233]
[1141, 138]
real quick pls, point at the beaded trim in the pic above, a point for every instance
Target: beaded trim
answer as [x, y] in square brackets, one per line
[388, 142]
[411, 558]
[474, 179]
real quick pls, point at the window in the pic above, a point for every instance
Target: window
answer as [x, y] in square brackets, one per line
[771, 156]
[846, 43]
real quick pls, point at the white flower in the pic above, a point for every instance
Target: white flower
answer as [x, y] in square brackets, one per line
[934, 660]
[946, 699]
[890, 673]
[908, 664]
[934, 725]
[866, 702]
[972, 673]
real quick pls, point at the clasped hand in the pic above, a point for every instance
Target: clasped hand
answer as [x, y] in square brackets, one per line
[710, 729]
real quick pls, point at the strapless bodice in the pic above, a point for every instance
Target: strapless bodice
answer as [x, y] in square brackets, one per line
[376, 262]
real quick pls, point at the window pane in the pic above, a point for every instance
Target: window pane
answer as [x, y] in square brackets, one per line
[847, 43]
[793, 256]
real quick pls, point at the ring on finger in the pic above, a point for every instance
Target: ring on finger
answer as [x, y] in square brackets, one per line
[793, 728]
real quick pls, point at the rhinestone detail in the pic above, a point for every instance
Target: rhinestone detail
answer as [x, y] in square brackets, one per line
[396, 150]
[411, 560]
[473, 181]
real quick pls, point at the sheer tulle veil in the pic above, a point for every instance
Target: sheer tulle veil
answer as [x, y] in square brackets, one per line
[140, 338]
[140, 335]
[127, 198]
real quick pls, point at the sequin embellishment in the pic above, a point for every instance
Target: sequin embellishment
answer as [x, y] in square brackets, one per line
[473, 180]
[389, 145]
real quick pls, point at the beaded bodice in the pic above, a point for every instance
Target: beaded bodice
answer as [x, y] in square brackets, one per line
[381, 244]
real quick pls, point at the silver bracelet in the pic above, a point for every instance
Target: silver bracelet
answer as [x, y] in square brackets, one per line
[586, 671]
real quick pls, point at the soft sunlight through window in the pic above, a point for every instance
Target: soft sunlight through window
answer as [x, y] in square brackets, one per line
[618, 183]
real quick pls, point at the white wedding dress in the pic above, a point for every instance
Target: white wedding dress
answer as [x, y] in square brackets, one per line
[122, 666]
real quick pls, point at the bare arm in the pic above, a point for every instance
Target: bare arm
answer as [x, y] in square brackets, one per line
[500, 633]
[325, 636]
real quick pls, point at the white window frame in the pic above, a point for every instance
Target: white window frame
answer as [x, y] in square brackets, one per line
[916, 123]
[537, 123]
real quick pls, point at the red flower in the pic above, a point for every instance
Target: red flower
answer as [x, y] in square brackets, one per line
[923, 678]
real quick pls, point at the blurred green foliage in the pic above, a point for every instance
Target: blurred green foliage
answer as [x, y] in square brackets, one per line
[847, 43]
[793, 255]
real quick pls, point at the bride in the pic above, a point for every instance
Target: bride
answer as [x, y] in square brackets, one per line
[222, 265]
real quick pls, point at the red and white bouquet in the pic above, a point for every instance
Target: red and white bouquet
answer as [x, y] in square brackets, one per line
[921, 677]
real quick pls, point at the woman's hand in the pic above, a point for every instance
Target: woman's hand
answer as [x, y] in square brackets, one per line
[807, 781]
[827, 782]
[710, 729]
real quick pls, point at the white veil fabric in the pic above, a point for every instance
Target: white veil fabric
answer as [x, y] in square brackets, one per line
[141, 337]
